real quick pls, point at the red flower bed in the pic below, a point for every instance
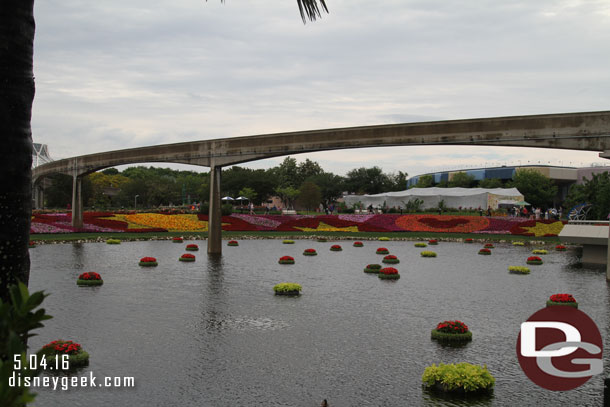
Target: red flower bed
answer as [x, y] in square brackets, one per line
[187, 256]
[91, 275]
[286, 258]
[192, 246]
[452, 327]
[484, 251]
[358, 244]
[390, 257]
[335, 247]
[561, 248]
[388, 270]
[562, 298]
[442, 223]
[382, 250]
[66, 347]
[177, 240]
[310, 251]
[432, 241]
[148, 260]
[534, 258]
[468, 240]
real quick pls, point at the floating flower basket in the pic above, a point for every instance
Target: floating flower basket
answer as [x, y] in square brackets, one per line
[382, 250]
[310, 252]
[421, 244]
[148, 262]
[113, 241]
[286, 260]
[432, 242]
[451, 331]
[177, 240]
[322, 239]
[89, 278]
[489, 246]
[534, 260]
[32, 244]
[562, 299]
[388, 273]
[560, 248]
[390, 259]
[358, 244]
[460, 379]
[335, 248]
[77, 356]
[234, 243]
[287, 241]
[518, 270]
[468, 240]
[287, 289]
[427, 253]
[539, 251]
[518, 244]
[192, 247]
[384, 239]
[485, 252]
[187, 257]
[372, 268]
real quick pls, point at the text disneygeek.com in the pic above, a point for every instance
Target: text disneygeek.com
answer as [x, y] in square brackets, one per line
[67, 382]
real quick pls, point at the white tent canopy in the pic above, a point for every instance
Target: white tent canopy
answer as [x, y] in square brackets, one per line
[452, 197]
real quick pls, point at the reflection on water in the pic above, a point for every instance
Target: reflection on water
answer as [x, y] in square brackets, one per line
[212, 333]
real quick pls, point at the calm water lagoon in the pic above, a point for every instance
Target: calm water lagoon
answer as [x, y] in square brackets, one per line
[212, 333]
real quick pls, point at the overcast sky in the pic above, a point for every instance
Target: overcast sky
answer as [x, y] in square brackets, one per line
[118, 74]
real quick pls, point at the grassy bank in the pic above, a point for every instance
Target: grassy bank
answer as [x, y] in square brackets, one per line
[70, 237]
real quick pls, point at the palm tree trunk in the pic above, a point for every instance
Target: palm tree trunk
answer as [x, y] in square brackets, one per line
[16, 96]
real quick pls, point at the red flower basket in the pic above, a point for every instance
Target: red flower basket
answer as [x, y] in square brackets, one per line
[534, 260]
[233, 243]
[89, 278]
[336, 248]
[432, 241]
[451, 331]
[468, 240]
[485, 251]
[382, 250]
[358, 244]
[388, 273]
[286, 260]
[177, 240]
[390, 259]
[310, 252]
[489, 245]
[562, 299]
[561, 248]
[148, 262]
[187, 257]
[77, 356]
[192, 247]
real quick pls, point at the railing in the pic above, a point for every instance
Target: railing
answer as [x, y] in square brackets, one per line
[588, 222]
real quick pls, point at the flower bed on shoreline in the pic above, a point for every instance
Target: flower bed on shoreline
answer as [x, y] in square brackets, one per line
[165, 222]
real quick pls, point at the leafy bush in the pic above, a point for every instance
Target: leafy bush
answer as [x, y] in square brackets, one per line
[420, 244]
[427, 253]
[287, 288]
[539, 251]
[518, 270]
[464, 377]
[226, 209]
[17, 320]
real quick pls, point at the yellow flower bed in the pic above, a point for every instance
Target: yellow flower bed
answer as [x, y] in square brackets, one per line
[323, 227]
[542, 229]
[173, 223]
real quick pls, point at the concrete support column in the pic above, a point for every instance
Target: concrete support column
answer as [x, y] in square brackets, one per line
[77, 202]
[215, 216]
[38, 197]
[608, 250]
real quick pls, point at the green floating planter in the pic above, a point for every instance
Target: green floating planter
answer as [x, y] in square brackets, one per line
[234, 243]
[372, 268]
[460, 379]
[560, 248]
[447, 337]
[148, 262]
[286, 260]
[518, 270]
[384, 239]
[113, 241]
[489, 246]
[539, 251]
[287, 289]
[420, 244]
[485, 252]
[550, 303]
[535, 260]
[382, 250]
[89, 282]
[177, 240]
[358, 244]
[192, 248]
[518, 244]
[77, 356]
[288, 241]
[432, 242]
[390, 259]
[336, 248]
[89, 278]
[388, 273]
[468, 240]
[310, 252]
[427, 254]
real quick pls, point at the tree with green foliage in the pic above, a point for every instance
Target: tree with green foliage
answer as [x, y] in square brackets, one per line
[425, 181]
[287, 195]
[461, 180]
[491, 183]
[307, 169]
[331, 186]
[367, 181]
[397, 181]
[310, 196]
[248, 193]
[537, 189]
[594, 191]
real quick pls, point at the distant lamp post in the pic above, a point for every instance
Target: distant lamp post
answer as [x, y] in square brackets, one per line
[135, 202]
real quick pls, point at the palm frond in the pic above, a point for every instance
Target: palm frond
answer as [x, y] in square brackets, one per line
[310, 9]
